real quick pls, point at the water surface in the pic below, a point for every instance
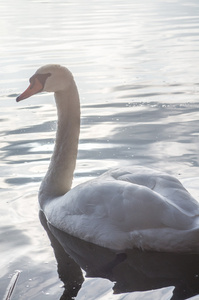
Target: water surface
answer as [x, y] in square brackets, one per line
[136, 67]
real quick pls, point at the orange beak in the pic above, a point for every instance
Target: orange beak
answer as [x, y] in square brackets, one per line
[33, 89]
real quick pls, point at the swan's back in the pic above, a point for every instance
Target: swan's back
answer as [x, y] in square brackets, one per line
[127, 208]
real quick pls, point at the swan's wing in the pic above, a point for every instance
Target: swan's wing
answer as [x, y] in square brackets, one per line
[162, 183]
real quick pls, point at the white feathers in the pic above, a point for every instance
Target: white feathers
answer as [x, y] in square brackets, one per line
[121, 214]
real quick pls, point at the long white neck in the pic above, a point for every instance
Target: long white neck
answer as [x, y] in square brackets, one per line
[58, 179]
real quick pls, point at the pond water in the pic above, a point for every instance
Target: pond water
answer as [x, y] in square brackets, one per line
[136, 67]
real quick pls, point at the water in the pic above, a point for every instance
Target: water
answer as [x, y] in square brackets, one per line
[135, 64]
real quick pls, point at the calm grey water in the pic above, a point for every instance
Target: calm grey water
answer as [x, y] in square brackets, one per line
[136, 67]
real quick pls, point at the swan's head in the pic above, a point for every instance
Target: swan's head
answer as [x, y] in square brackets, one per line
[49, 78]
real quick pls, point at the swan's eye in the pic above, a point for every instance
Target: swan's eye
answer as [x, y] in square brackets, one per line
[42, 78]
[38, 77]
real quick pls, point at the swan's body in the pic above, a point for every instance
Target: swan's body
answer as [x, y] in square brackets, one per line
[131, 207]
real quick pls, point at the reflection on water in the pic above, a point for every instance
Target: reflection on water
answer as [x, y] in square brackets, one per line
[131, 271]
[135, 63]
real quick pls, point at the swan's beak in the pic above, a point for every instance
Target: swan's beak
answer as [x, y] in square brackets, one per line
[33, 89]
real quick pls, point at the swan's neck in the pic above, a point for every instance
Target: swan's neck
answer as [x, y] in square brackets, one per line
[58, 179]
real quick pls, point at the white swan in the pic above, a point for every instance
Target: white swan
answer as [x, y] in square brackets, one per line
[132, 207]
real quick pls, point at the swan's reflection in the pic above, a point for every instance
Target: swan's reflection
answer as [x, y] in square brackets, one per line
[133, 271]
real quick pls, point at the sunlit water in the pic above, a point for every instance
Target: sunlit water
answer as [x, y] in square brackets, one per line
[136, 67]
